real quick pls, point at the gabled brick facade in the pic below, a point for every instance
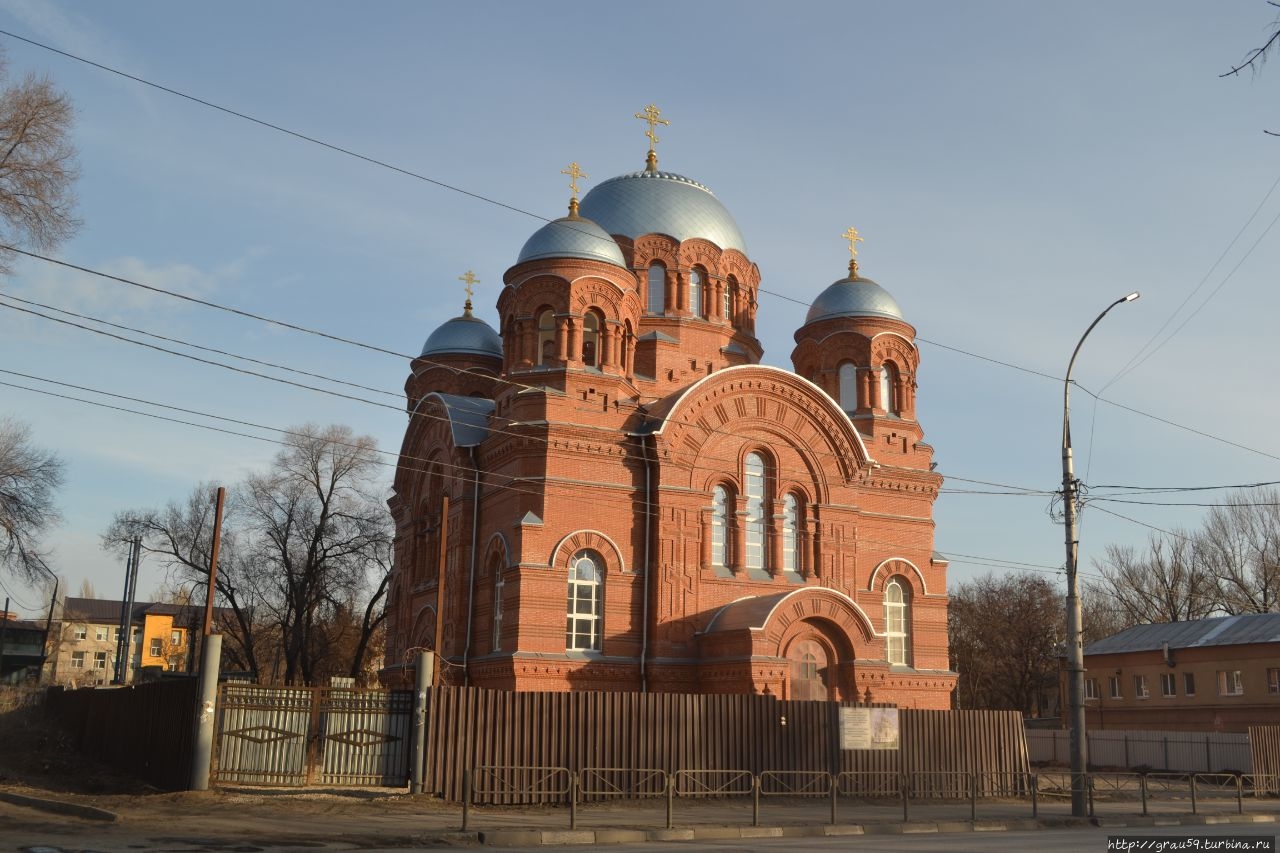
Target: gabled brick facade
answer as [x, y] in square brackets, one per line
[618, 496]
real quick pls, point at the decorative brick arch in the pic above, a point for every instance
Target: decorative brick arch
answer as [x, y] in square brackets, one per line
[423, 635]
[896, 566]
[588, 539]
[784, 620]
[497, 546]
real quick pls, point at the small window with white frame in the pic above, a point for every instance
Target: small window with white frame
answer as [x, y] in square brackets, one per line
[1188, 684]
[101, 632]
[1273, 680]
[1168, 684]
[1140, 690]
[81, 632]
[1091, 688]
[77, 660]
[1230, 683]
[99, 660]
[1113, 687]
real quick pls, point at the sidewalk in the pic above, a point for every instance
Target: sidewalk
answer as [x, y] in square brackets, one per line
[375, 817]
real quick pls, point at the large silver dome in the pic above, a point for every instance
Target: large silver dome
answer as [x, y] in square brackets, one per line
[465, 335]
[572, 237]
[853, 297]
[652, 202]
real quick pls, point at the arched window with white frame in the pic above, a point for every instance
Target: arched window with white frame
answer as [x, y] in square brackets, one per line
[754, 486]
[695, 292]
[720, 503]
[584, 612]
[848, 375]
[889, 387]
[656, 302]
[897, 621]
[547, 337]
[791, 557]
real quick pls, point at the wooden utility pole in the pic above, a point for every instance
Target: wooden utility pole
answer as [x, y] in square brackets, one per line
[444, 553]
[213, 562]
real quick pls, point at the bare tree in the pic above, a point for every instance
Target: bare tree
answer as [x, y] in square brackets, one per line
[1256, 58]
[1166, 584]
[181, 536]
[37, 165]
[1239, 548]
[1102, 615]
[304, 558]
[1006, 634]
[29, 477]
[319, 526]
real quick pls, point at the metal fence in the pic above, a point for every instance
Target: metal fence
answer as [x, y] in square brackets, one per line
[693, 737]
[1196, 793]
[296, 736]
[1178, 752]
[144, 729]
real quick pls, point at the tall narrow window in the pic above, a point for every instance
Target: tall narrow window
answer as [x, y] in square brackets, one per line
[657, 301]
[590, 339]
[730, 295]
[897, 619]
[888, 388]
[720, 526]
[547, 337]
[753, 481]
[790, 534]
[848, 387]
[695, 293]
[582, 628]
[498, 584]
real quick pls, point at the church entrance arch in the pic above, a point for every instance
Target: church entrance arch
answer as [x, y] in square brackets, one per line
[809, 670]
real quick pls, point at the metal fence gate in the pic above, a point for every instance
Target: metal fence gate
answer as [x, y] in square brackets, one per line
[313, 736]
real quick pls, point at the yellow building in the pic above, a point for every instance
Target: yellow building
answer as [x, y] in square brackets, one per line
[86, 641]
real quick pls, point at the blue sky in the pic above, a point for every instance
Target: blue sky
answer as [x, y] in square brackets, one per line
[1013, 167]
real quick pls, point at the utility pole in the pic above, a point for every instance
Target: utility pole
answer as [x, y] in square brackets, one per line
[440, 573]
[213, 561]
[48, 623]
[4, 629]
[124, 641]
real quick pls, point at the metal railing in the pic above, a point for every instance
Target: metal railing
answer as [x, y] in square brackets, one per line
[559, 785]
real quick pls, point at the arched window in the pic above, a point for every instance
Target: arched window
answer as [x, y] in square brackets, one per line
[695, 293]
[753, 470]
[730, 297]
[790, 533]
[498, 585]
[582, 626]
[657, 301]
[848, 374]
[547, 337]
[897, 621]
[590, 339]
[888, 387]
[720, 526]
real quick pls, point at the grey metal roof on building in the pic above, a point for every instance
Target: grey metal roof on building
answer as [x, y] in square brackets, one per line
[661, 203]
[468, 417]
[572, 237]
[853, 297]
[98, 611]
[464, 335]
[1224, 631]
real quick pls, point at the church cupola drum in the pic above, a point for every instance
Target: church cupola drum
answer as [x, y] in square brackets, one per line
[614, 493]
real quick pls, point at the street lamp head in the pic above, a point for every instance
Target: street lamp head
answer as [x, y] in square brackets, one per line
[1132, 296]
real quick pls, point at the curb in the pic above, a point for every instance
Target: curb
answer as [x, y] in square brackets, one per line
[59, 807]
[579, 837]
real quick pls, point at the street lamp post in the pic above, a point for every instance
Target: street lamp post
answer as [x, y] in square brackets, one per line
[1075, 644]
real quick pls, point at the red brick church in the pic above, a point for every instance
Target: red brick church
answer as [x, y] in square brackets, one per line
[618, 495]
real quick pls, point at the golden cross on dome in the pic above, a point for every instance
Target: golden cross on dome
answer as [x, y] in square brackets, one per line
[574, 172]
[852, 236]
[650, 116]
[470, 278]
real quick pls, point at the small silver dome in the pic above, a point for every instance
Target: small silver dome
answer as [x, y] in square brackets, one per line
[465, 335]
[572, 237]
[652, 202]
[853, 297]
